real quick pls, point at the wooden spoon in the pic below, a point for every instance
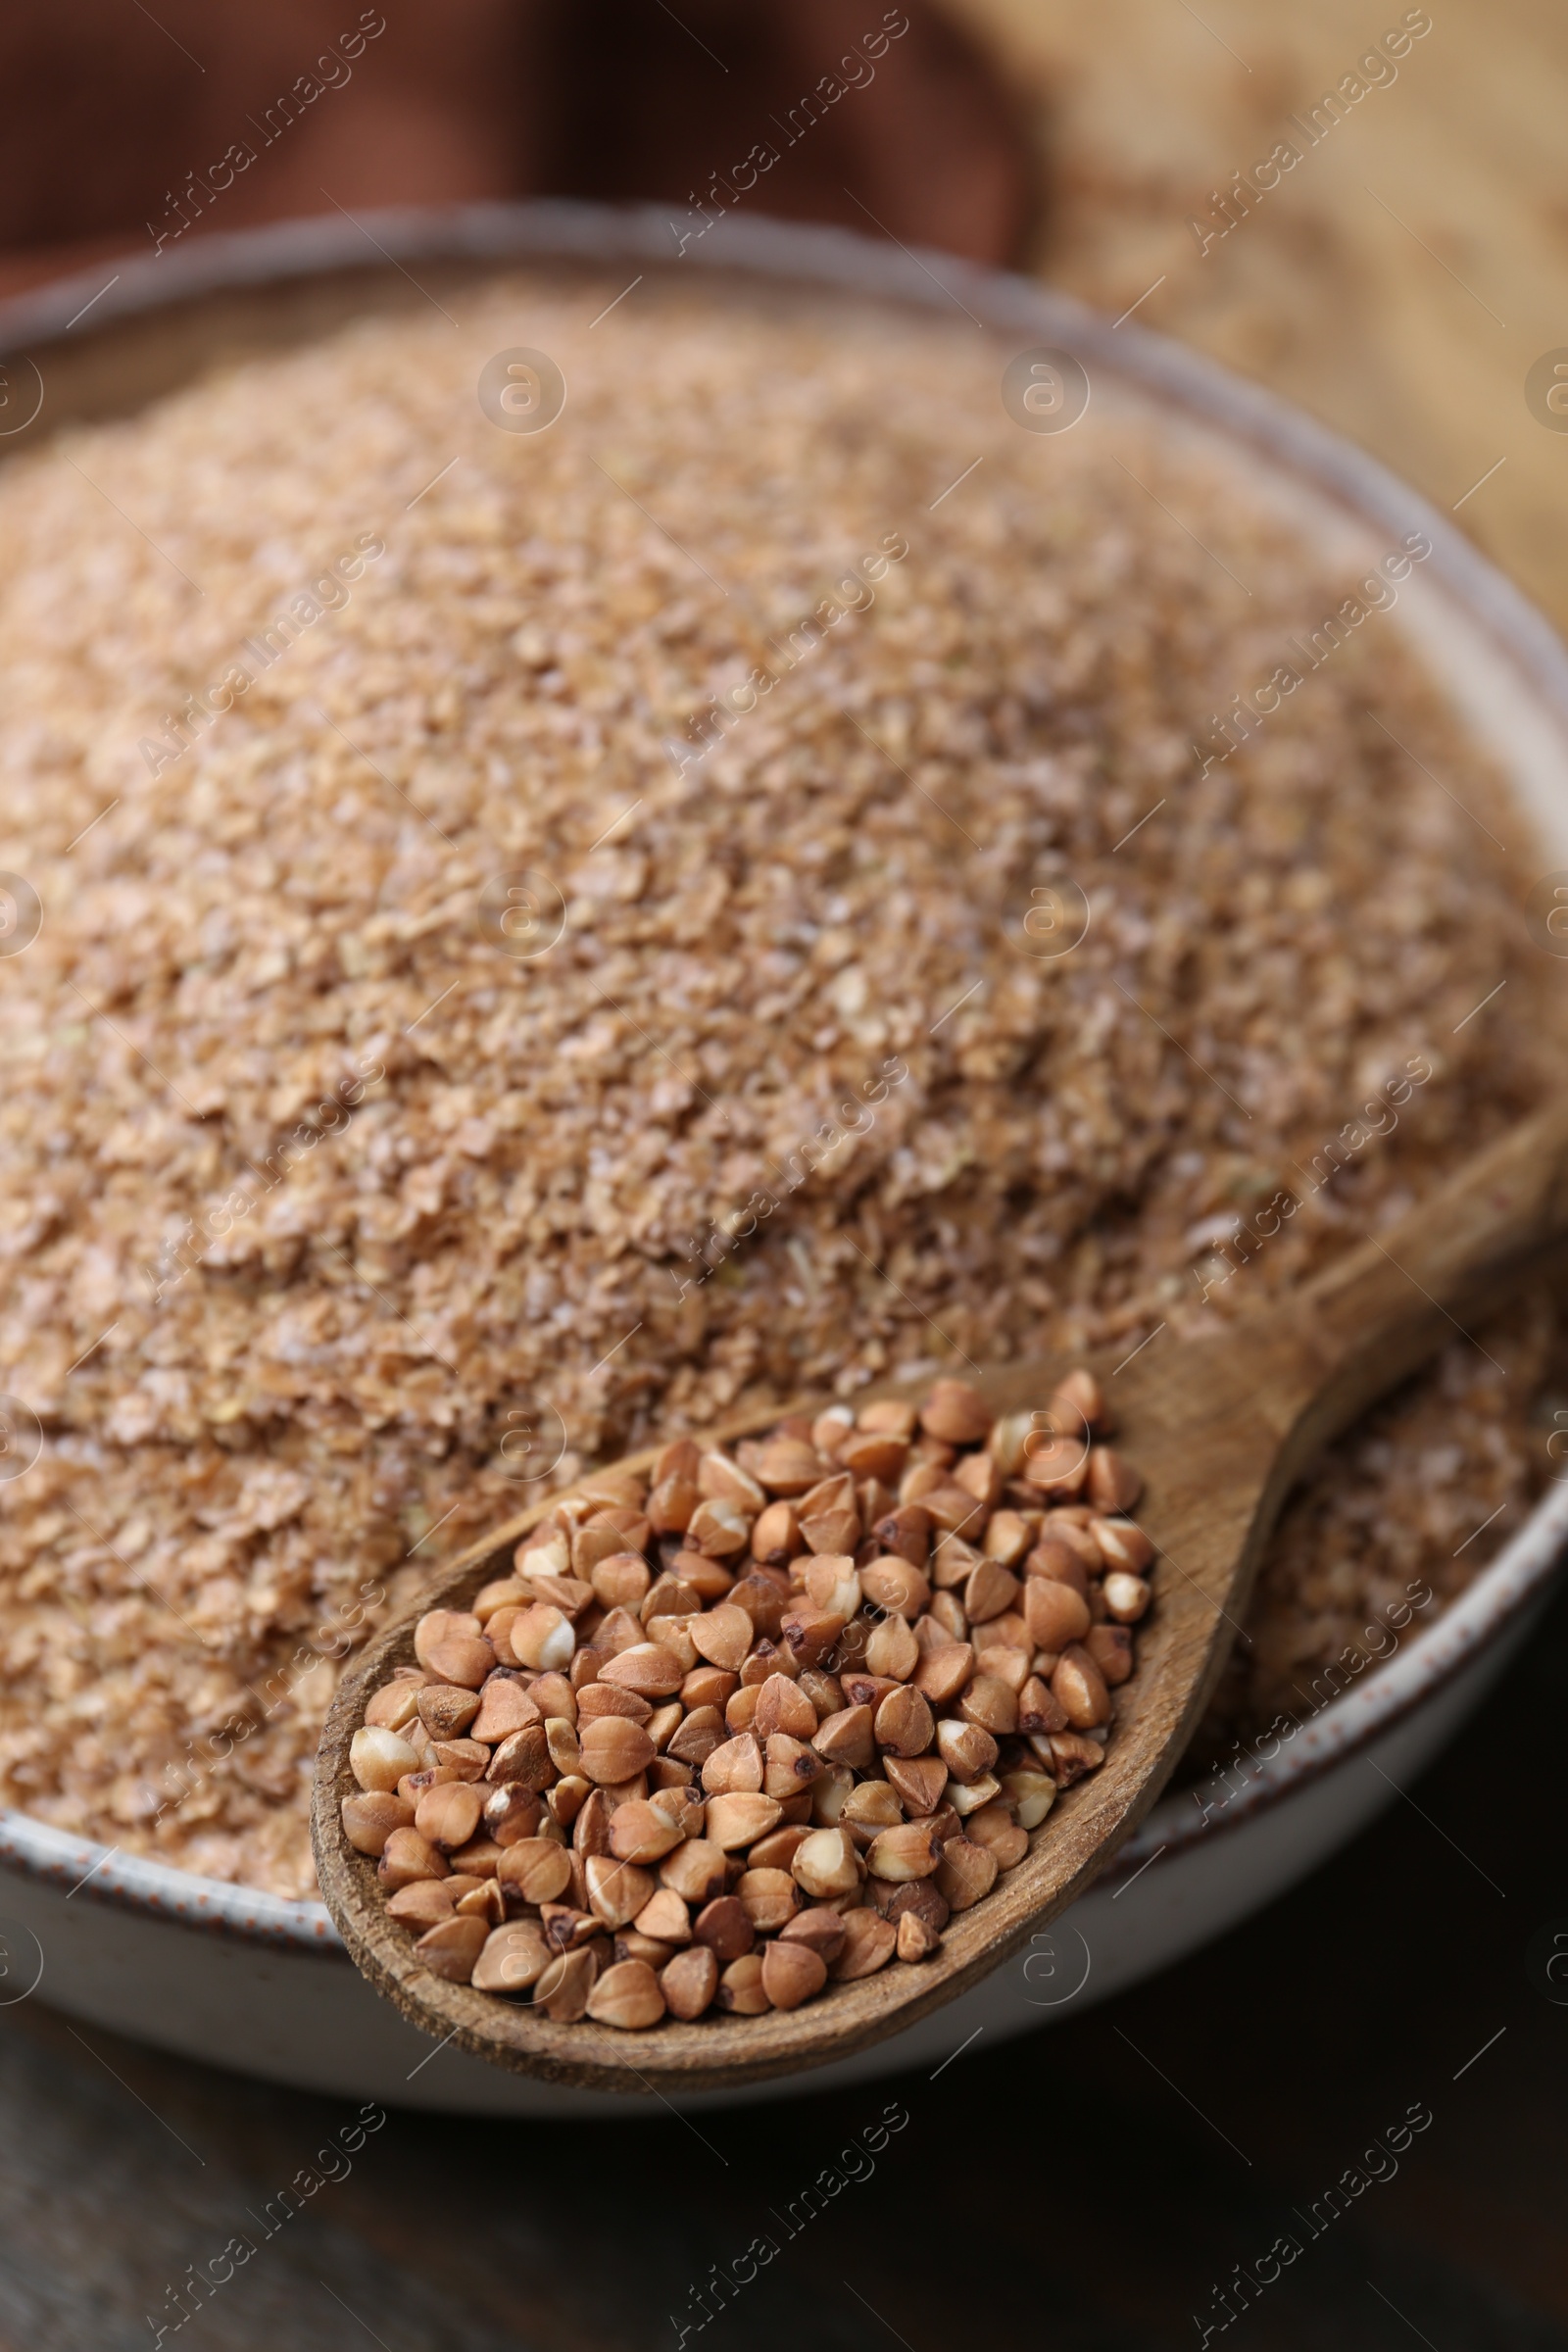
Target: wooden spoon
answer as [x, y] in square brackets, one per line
[1220, 1427]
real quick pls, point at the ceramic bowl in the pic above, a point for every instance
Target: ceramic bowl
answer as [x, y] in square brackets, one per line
[255, 1983]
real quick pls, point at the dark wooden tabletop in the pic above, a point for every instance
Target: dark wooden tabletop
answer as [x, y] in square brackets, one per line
[1083, 2189]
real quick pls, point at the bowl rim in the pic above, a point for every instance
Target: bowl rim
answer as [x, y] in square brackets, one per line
[1407, 1679]
[565, 231]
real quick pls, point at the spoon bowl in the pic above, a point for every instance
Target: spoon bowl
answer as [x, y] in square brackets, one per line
[1220, 1427]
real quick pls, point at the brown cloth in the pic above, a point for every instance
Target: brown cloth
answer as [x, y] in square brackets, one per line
[122, 125]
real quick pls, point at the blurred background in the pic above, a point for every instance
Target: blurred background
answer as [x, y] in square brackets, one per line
[1091, 2188]
[1400, 284]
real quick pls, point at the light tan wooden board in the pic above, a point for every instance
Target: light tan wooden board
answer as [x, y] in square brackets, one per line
[1323, 294]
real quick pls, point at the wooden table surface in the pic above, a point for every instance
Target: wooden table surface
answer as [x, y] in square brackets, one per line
[1083, 2189]
[1400, 283]
[1087, 2188]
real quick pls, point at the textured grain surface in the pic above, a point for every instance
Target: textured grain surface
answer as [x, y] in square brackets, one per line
[1220, 1427]
[281, 1312]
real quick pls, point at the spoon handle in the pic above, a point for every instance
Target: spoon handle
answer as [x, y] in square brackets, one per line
[1372, 1318]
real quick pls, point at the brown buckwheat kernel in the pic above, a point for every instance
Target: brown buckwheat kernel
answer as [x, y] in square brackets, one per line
[768, 1726]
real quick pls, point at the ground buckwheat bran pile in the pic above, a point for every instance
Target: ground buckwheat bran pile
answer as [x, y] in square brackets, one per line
[478, 1185]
